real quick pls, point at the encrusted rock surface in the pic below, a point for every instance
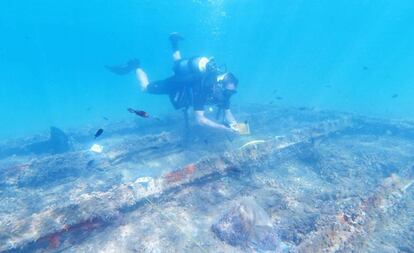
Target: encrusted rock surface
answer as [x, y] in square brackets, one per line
[316, 182]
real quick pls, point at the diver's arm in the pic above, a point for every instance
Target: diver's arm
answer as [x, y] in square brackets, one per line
[204, 121]
[229, 117]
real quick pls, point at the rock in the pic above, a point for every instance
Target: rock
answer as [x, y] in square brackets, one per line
[247, 225]
[58, 143]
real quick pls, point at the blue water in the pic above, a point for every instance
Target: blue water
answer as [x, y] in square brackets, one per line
[306, 177]
[343, 55]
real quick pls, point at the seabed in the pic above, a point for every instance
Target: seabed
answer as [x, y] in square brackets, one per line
[307, 181]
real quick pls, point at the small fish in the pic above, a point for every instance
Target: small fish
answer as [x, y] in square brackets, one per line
[395, 96]
[89, 109]
[279, 98]
[274, 91]
[99, 133]
[206, 141]
[365, 68]
[142, 114]
[105, 118]
[302, 108]
[328, 86]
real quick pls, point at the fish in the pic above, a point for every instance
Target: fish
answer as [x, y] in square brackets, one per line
[252, 143]
[105, 118]
[99, 133]
[365, 68]
[279, 98]
[394, 96]
[142, 114]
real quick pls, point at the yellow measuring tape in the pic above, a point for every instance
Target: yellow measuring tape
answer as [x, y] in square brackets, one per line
[255, 142]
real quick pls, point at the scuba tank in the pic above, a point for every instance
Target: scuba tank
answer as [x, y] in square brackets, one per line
[194, 65]
[188, 69]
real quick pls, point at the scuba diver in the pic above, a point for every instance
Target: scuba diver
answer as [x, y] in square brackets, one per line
[196, 82]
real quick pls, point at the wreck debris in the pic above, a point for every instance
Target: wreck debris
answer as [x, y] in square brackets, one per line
[293, 180]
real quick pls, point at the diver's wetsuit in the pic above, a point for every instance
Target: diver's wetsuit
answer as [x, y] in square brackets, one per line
[190, 88]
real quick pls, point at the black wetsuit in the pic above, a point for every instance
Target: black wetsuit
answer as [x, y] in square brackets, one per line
[191, 88]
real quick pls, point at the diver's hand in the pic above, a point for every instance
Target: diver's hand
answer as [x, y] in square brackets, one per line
[233, 129]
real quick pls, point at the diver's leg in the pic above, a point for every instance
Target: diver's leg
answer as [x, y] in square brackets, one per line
[142, 79]
[176, 55]
[163, 87]
[174, 39]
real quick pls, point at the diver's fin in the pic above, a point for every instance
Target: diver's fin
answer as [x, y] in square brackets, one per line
[175, 37]
[119, 70]
[134, 63]
[124, 69]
